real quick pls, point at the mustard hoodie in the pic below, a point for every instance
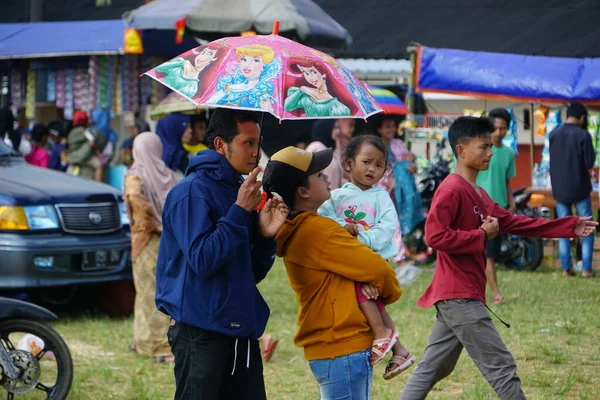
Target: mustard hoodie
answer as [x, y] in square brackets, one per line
[323, 261]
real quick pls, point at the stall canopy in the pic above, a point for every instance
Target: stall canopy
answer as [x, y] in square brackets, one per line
[508, 76]
[60, 39]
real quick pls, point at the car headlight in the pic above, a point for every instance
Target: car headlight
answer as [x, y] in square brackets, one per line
[28, 218]
[123, 213]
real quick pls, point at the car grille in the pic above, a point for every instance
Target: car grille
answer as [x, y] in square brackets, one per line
[89, 218]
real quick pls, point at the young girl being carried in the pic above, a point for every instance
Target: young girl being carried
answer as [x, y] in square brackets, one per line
[368, 213]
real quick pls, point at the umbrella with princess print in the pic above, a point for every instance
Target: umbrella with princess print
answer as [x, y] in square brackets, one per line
[267, 73]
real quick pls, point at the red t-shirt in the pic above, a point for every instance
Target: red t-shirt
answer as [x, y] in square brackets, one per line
[452, 228]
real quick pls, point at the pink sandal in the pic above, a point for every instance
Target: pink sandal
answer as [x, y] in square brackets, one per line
[401, 363]
[381, 347]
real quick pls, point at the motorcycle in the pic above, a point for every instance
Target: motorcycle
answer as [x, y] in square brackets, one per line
[434, 174]
[523, 253]
[34, 359]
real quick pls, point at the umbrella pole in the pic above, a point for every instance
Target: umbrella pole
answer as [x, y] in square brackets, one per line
[260, 138]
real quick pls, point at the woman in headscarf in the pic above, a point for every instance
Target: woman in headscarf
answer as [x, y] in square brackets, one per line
[170, 129]
[39, 155]
[146, 186]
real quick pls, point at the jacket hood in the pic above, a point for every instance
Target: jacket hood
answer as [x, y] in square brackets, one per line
[352, 186]
[213, 165]
[287, 230]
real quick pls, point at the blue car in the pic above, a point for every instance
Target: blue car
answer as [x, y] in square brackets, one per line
[58, 230]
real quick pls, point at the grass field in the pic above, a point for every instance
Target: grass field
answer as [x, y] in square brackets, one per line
[555, 338]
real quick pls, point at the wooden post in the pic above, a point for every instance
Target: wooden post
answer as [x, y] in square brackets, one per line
[532, 140]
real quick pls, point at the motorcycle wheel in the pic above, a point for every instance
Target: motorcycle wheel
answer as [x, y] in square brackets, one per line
[30, 366]
[529, 255]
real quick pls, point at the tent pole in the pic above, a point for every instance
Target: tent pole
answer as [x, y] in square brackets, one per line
[410, 98]
[532, 140]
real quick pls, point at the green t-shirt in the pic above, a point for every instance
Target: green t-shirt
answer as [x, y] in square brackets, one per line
[493, 180]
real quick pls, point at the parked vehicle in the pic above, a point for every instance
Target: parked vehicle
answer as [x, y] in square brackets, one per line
[35, 361]
[58, 230]
[523, 253]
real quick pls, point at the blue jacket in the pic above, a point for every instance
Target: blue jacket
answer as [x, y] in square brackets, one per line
[211, 254]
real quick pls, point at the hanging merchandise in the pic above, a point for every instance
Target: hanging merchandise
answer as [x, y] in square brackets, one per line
[593, 129]
[78, 95]
[158, 90]
[511, 139]
[124, 89]
[69, 78]
[104, 82]
[30, 95]
[133, 83]
[51, 87]
[60, 89]
[146, 84]
[92, 97]
[541, 114]
[118, 97]
[553, 120]
[16, 89]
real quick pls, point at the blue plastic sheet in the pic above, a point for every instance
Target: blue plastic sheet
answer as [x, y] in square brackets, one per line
[508, 76]
[65, 38]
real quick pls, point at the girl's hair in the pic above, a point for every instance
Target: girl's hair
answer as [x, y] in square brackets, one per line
[209, 73]
[254, 50]
[334, 88]
[356, 143]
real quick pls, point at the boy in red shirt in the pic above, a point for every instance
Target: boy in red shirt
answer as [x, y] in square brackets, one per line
[461, 220]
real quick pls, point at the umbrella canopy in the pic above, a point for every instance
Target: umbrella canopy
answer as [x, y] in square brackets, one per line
[301, 20]
[174, 103]
[388, 101]
[267, 73]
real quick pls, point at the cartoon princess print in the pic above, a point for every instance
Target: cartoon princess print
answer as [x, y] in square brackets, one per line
[352, 84]
[184, 75]
[252, 83]
[311, 91]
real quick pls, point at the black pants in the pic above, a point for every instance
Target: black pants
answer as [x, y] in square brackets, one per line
[211, 366]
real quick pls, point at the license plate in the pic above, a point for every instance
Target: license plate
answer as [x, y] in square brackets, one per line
[101, 259]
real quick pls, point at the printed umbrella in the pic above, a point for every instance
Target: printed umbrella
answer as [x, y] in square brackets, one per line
[267, 73]
[174, 103]
[387, 100]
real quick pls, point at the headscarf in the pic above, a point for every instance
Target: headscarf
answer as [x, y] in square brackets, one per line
[156, 178]
[170, 130]
[7, 120]
[101, 119]
[322, 130]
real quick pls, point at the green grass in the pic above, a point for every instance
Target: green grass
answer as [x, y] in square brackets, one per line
[554, 338]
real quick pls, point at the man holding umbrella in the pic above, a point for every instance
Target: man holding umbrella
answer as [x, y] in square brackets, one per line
[214, 250]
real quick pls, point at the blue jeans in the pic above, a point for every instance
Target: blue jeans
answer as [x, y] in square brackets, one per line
[344, 378]
[584, 209]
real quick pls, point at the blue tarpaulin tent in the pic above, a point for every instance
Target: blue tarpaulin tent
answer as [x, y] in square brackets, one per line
[508, 76]
[61, 39]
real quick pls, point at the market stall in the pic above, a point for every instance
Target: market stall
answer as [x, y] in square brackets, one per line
[539, 81]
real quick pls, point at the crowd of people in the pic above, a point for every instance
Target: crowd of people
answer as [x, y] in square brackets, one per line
[204, 236]
[86, 144]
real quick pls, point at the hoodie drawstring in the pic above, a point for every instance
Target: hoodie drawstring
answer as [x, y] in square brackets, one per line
[248, 359]
[234, 357]
[236, 354]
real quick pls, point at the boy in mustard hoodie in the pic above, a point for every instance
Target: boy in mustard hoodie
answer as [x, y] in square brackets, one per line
[323, 261]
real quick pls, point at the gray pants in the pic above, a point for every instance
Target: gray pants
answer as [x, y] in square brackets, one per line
[464, 323]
